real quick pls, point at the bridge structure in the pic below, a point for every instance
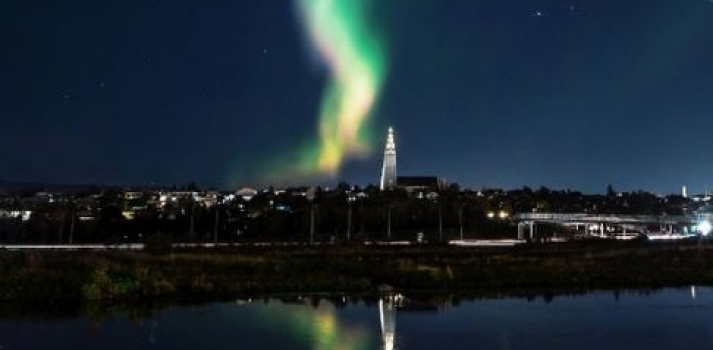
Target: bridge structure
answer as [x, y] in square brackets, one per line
[600, 224]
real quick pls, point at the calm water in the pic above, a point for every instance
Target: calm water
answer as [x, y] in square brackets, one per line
[666, 319]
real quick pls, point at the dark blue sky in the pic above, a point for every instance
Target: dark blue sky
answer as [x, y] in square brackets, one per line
[568, 94]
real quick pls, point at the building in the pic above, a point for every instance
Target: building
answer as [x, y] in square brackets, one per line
[388, 170]
[421, 186]
[133, 195]
[246, 193]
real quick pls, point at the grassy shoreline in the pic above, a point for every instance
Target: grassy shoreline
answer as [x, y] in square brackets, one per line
[120, 276]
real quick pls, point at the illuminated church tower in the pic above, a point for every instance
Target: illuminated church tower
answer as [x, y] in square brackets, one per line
[388, 170]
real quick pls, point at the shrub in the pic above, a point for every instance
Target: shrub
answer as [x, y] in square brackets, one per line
[104, 286]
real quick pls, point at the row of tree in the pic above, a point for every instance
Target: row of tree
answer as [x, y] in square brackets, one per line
[343, 214]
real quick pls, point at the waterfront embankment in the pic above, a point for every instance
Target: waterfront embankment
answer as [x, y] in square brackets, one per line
[251, 270]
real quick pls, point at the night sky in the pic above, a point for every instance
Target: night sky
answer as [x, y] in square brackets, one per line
[568, 94]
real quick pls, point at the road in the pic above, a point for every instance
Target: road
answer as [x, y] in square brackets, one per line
[140, 246]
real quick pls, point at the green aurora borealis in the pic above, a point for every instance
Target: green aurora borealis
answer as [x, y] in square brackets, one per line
[339, 32]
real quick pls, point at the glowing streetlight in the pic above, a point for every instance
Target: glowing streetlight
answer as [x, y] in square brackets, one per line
[350, 199]
[311, 194]
[460, 219]
[705, 227]
[388, 224]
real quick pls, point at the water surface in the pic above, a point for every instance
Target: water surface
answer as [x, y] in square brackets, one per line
[665, 319]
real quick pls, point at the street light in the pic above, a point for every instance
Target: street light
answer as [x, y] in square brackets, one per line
[191, 231]
[705, 228]
[460, 219]
[71, 225]
[440, 222]
[311, 194]
[388, 223]
[350, 199]
[215, 228]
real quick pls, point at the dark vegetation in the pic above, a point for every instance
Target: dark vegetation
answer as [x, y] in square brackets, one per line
[120, 276]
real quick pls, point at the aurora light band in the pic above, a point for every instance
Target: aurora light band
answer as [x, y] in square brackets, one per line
[339, 32]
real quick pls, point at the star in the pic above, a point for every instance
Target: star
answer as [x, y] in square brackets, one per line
[538, 13]
[264, 50]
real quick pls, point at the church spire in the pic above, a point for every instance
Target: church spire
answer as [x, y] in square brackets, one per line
[388, 170]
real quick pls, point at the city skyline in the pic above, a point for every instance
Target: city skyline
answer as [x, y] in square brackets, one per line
[485, 94]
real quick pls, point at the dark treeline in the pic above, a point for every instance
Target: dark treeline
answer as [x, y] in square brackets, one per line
[342, 214]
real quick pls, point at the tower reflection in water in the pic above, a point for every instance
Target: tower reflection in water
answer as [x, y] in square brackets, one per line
[387, 318]
[319, 326]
